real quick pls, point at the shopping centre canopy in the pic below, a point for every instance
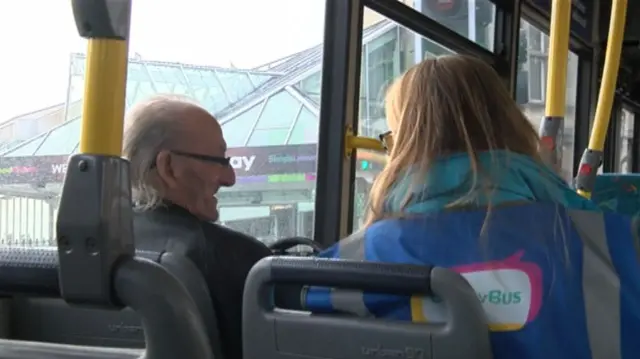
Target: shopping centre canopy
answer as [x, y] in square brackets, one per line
[274, 105]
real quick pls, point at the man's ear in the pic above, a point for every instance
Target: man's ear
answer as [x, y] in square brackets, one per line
[165, 168]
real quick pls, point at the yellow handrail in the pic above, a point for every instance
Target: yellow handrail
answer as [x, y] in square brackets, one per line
[104, 97]
[365, 143]
[551, 128]
[353, 142]
[592, 157]
[558, 55]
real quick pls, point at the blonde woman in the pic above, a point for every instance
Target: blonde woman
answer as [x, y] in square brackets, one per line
[465, 188]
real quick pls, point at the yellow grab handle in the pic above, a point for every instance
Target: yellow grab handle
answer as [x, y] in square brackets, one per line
[592, 157]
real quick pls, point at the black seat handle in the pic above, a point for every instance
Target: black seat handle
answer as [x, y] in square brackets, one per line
[367, 276]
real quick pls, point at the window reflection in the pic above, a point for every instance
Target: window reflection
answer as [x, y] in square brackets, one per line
[533, 59]
[473, 19]
[624, 153]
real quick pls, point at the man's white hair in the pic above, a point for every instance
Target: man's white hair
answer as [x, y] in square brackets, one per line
[150, 127]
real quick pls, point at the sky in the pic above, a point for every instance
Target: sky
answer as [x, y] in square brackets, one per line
[38, 36]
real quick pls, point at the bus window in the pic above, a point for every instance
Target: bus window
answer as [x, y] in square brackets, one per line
[257, 71]
[388, 50]
[533, 55]
[624, 140]
[473, 19]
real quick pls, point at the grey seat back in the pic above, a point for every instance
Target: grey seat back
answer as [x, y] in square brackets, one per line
[54, 321]
[10, 349]
[171, 320]
[270, 333]
[165, 231]
[192, 279]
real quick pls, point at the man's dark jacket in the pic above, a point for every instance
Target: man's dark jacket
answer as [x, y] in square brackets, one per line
[223, 256]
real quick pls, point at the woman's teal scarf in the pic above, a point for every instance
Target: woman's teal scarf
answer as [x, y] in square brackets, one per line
[505, 177]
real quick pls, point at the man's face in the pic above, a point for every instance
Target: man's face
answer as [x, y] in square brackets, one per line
[194, 169]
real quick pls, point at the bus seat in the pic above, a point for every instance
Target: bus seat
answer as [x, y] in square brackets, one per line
[165, 231]
[618, 192]
[172, 322]
[192, 279]
[54, 321]
[272, 333]
[31, 350]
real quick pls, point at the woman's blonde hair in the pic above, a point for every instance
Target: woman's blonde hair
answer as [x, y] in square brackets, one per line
[443, 106]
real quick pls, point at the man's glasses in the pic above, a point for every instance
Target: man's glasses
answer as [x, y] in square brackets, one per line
[213, 159]
[225, 161]
[387, 140]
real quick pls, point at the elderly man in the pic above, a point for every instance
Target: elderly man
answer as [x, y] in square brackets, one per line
[178, 164]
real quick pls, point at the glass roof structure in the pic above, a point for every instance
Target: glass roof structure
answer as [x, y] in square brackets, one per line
[285, 117]
[214, 88]
[284, 111]
[272, 105]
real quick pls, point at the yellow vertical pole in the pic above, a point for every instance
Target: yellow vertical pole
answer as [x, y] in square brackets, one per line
[552, 126]
[592, 157]
[106, 74]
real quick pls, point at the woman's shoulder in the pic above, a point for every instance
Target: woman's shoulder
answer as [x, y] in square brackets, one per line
[515, 218]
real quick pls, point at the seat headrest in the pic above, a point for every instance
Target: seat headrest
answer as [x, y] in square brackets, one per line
[160, 230]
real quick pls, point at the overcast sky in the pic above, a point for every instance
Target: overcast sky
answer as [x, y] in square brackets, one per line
[37, 37]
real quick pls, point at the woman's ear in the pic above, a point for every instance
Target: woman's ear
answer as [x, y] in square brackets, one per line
[166, 172]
